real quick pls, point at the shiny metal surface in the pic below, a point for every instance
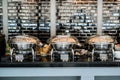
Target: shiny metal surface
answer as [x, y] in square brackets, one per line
[102, 46]
[63, 38]
[63, 42]
[62, 46]
[23, 42]
[100, 39]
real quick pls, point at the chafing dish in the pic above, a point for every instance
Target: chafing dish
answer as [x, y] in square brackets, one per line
[23, 45]
[62, 47]
[103, 47]
[101, 42]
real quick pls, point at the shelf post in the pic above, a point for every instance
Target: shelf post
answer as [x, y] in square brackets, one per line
[5, 18]
[53, 17]
[99, 16]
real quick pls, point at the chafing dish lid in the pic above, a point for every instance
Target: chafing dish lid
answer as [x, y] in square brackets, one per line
[100, 39]
[24, 39]
[63, 39]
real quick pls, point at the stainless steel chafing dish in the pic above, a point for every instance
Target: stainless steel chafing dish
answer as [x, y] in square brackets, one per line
[103, 47]
[62, 47]
[101, 41]
[63, 42]
[23, 45]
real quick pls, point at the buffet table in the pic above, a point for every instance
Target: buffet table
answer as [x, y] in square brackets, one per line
[83, 70]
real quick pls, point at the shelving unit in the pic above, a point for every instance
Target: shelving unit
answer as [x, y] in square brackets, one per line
[76, 18]
[111, 18]
[37, 18]
[30, 17]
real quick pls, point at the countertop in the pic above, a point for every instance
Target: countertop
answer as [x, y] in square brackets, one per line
[59, 64]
